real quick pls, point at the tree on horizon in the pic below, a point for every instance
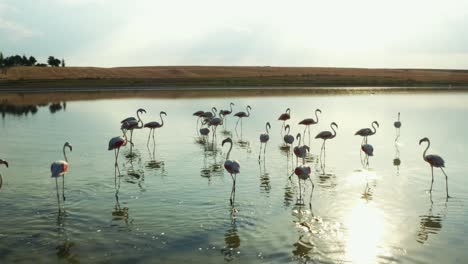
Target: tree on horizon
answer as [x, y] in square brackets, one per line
[52, 61]
[1, 59]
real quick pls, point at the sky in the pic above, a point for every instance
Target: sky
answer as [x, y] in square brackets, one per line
[331, 33]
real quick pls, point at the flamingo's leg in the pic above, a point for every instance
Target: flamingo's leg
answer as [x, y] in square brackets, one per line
[147, 143]
[63, 187]
[260, 151]
[432, 173]
[446, 182]
[311, 192]
[58, 198]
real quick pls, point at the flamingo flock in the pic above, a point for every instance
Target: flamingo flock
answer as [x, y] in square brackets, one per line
[207, 122]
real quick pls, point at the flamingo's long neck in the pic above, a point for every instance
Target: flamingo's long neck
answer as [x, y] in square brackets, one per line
[139, 120]
[125, 136]
[248, 113]
[299, 141]
[334, 132]
[214, 110]
[288, 111]
[288, 128]
[424, 153]
[266, 126]
[162, 120]
[231, 107]
[316, 115]
[229, 151]
[375, 129]
[398, 117]
[65, 154]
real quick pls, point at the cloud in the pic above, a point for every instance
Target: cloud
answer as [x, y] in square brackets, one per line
[12, 30]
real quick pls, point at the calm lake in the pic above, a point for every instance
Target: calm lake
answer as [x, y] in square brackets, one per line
[169, 202]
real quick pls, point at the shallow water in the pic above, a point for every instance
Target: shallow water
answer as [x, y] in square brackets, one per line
[170, 201]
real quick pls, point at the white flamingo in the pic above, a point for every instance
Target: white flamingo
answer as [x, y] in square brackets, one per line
[365, 132]
[264, 137]
[233, 167]
[59, 168]
[153, 125]
[434, 161]
[6, 164]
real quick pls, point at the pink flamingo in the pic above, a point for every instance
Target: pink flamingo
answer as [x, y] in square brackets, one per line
[365, 132]
[369, 151]
[264, 137]
[59, 168]
[288, 139]
[434, 161]
[153, 125]
[284, 117]
[310, 121]
[326, 135]
[199, 114]
[6, 164]
[132, 124]
[115, 143]
[303, 173]
[233, 167]
[224, 113]
[300, 151]
[241, 115]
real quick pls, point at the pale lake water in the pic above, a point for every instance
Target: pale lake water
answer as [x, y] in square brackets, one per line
[170, 203]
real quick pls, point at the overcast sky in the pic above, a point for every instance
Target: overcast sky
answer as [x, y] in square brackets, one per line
[339, 33]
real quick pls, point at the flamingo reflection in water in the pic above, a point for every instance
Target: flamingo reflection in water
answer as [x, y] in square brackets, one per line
[233, 167]
[368, 149]
[64, 244]
[118, 212]
[232, 240]
[58, 169]
[430, 223]
[4, 162]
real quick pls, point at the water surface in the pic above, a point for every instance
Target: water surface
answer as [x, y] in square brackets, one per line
[170, 201]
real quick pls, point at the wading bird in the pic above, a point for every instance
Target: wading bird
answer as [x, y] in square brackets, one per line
[434, 161]
[369, 151]
[365, 132]
[204, 131]
[6, 164]
[303, 173]
[224, 113]
[153, 125]
[288, 139]
[397, 125]
[264, 137]
[115, 143]
[233, 167]
[128, 119]
[326, 135]
[310, 121]
[300, 151]
[242, 115]
[59, 168]
[284, 117]
[132, 124]
[209, 115]
[199, 114]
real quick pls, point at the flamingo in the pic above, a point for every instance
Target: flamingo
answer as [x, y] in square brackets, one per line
[242, 115]
[434, 161]
[264, 137]
[215, 121]
[326, 135]
[209, 115]
[204, 131]
[397, 125]
[310, 121]
[199, 114]
[115, 143]
[128, 119]
[6, 164]
[224, 113]
[233, 167]
[153, 125]
[303, 173]
[365, 132]
[368, 150]
[300, 151]
[288, 139]
[132, 124]
[285, 116]
[59, 168]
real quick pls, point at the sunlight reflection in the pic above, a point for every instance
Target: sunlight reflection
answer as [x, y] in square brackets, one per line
[365, 225]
